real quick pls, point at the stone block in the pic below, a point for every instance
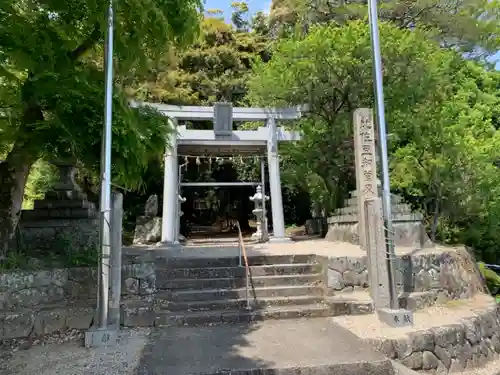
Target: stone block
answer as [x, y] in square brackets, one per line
[138, 316]
[80, 318]
[138, 270]
[449, 335]
[60, 234]
[151, 207]
[429, 361]
[421, 341]
[443, 355]
[147, 285]
[147, 230]
[101, 337]
[338, 264]
[49, 321]
[130, 286]
[335, 280]
[17, 324]
[413, 361]
[384, 346]
[418, 301]
[456, 366]
[395, 318]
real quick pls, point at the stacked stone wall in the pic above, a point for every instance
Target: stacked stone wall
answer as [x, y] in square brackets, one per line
[448, 349]
[45, 301]
[423, 278]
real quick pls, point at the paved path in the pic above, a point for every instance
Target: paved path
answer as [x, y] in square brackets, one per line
[316, 345]
[316, 246]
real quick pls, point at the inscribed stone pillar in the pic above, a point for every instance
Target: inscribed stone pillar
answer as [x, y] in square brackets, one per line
[169, 216]
[366, 167]
[275, 182]
[377, 260]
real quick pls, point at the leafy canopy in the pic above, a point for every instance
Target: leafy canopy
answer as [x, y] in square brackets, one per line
[331, 70]
[51, 64]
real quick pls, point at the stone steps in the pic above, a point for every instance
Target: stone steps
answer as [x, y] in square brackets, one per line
[238, 303]
[238, 282]
[235, 271]
[195, 318]
[213, 290]
[162, 312]
[232, 261]
[234, 293]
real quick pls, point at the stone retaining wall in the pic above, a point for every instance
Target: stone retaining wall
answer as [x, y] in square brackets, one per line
[428, 276]
[46, 301]
[41, 302]
[451, 348]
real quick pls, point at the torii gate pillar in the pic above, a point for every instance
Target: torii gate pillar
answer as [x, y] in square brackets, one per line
[275, 183]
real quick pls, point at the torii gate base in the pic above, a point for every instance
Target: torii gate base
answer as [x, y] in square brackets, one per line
[223, 140]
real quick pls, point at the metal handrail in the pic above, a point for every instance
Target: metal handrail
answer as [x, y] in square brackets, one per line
[243, 254]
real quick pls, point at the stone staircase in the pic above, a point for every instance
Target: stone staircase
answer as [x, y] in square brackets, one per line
[198, 291]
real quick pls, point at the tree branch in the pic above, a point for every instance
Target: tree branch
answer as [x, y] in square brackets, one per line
[87, 44]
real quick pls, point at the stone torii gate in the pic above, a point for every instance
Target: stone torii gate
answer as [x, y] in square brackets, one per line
[219, 141]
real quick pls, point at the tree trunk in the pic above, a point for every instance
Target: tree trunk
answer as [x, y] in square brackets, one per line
[435, 221]
[15, 169]
[14, 172]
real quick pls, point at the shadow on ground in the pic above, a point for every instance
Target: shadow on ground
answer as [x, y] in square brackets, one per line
[210, 348]
[198, 350]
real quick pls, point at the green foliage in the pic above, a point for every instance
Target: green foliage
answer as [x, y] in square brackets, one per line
[442, 114]
[215, 68]
[330, 70]
[51, 58]
[42, 177]
[491, 277]
[52, 87]
[471, 25]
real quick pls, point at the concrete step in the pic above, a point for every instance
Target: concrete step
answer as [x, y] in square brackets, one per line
[194, 318]
[237, 282]
[144, 313]
[259, 292]
[284, 347]
[236, 303]
[236, 271]
[255, 260]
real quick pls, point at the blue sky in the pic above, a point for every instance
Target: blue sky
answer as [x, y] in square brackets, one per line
[225, 5]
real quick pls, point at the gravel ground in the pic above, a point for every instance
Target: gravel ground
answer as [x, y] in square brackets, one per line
[369, 326]
[71, 358]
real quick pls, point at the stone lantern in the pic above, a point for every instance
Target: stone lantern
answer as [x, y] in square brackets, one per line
[259, 200]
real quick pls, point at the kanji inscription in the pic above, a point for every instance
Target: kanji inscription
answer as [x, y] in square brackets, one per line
[366, 169]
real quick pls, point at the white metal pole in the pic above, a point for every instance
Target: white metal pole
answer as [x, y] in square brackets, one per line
[384, 163]
[105, 204]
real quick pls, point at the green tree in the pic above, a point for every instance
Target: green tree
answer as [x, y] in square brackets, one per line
[449, 161]
[214, 68]
[330, 69]
[442, 114]
[51, 63]
[472, 25]
[239, 17]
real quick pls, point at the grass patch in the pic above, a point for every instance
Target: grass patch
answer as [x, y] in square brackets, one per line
[30, 260]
